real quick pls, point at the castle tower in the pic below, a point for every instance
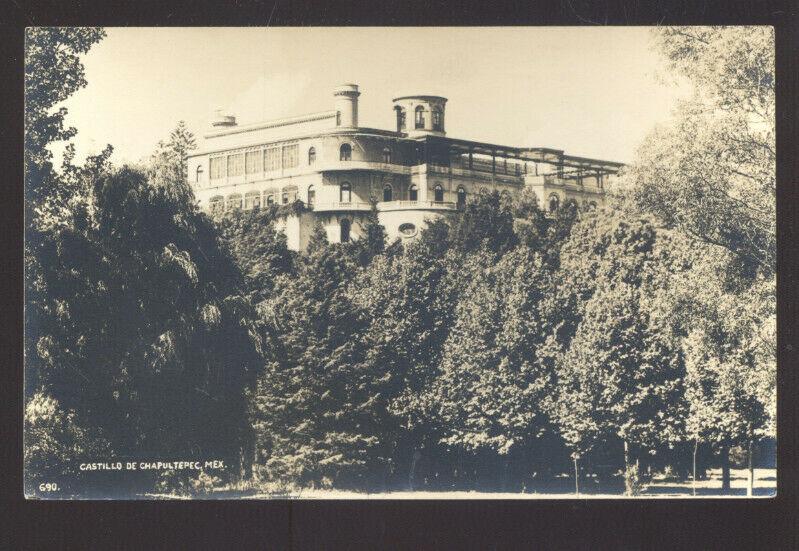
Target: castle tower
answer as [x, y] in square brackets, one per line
[420, 115]
[346, 97]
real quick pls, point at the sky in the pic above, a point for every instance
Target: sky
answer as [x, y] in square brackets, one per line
[591, 91]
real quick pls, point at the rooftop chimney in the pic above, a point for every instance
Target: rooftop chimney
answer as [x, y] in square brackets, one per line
[222, 119]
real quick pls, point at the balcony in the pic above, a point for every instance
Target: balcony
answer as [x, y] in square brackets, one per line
[353, 206]
[415, 205]
[479, 171]
[336, 166]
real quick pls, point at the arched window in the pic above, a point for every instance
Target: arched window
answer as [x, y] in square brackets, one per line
[216, 204]
[199, 174]
[386, 155]
[461, 197]
[400, 118]
[413, 193]
[438, 192]
[554, 202]
[345, 152]
[252, 200]
[345, 230]
[592, 205]
[311, 156]
[419, 116]
[234, 201]
[387, 192]
[438, 119]
[270, 199]
[284, 198]
[345, 193]
[311, 196]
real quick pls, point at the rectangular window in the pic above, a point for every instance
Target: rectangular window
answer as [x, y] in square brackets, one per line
[254, 162]
[291, 156]
[235, 164]
[272, 159]
[218, 168]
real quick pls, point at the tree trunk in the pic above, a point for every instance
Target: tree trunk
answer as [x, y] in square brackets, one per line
[725, 470]
[751, 485]
[411, 474]
[693, 482]
[576, 476]
[627, 482]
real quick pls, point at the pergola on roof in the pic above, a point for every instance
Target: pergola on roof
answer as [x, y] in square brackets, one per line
[534, 154]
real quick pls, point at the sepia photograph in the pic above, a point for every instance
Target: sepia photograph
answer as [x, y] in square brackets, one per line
[400, 263]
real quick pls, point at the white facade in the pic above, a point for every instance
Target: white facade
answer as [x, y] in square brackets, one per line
[413, 173]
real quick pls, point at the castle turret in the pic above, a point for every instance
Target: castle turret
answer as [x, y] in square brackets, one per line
[420, 115]
[347, 105]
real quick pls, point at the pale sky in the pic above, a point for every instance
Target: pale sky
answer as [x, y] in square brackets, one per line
[591, 91]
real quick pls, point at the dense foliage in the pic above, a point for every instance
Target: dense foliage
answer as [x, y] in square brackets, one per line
[502, 349]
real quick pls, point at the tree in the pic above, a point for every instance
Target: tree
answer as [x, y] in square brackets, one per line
[728, 344]
[259, 250]
[373, 242]
[408, 299]
[317, 408]
[55, 443]
[712, 173]
[489, 393]
[618, 366]
[485, 222]
[168, 165]
[53, 72]
[142, 330]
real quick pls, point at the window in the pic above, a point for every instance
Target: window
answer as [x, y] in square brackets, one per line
[216, 204]
[345, 152]
[218, 168]
[199, 174]
[461, 197]
[438, 193]
[345, 195]
[311, 156]
[400, 118]
[387, 192]
[252, 200]
[272, 159]
[505, 198]
[413, 193]
[284, 198]
[419, 116]
[345, 230]
[311, 196]
[387, 155]
[592, 205]
[291, 156]
[407, 229]
[270, 199]
[254, 162]
[438, 119]
[234, 201]
[235, 164]
[554, 202]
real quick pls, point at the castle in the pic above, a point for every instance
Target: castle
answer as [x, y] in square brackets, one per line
[337, 169]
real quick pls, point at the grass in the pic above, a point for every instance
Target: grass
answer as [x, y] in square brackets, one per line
[563, 488]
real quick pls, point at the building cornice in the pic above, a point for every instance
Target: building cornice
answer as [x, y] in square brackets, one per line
[276, 123]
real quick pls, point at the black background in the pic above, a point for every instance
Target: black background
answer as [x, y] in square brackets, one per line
[568, 524]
